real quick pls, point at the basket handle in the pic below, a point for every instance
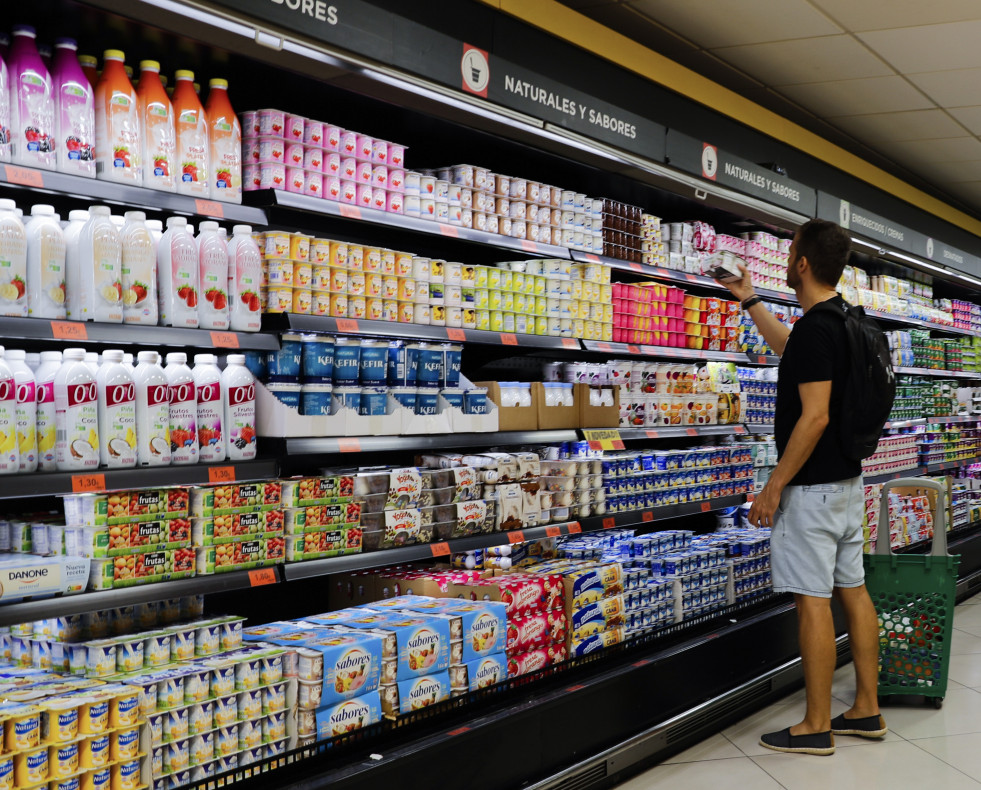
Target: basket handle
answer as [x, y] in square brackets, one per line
[939, 548]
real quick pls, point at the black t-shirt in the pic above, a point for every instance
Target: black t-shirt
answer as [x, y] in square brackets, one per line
[817, 350]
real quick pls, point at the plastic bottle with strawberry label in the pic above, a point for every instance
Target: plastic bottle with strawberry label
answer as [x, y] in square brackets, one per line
[32, 103]
[25, 410]
[97, 256]
[177, 275]
[213, 269]
[152, 411]
[46, 429]
[46, 296]
[183, 410]
[208, 389]
[159, 135]
[139, 270]
[13, 261]
[225, 139]
[9, 454]
[118, 130]
[193, 150]
[117, 411]
[244, 280]
[75, 112]
[76, 413]
[238, 399]
[5, 130]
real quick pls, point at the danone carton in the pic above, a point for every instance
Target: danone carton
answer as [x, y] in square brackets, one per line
[348, 716]
[415, 694]
[123, 507]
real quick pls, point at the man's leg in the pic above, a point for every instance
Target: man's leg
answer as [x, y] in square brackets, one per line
[863, 635]
[817, 651]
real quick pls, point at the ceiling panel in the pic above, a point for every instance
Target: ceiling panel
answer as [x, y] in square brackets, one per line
[947, 149]
[711, 22]
[858, 97]
[930, 47]
[806, 60]
[969, 117]
[918, 125]
[955, 88]
[953, 172]
[861, 15]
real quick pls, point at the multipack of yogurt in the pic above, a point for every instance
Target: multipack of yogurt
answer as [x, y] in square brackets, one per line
[415, 694]
[342, 718]
[124, 507]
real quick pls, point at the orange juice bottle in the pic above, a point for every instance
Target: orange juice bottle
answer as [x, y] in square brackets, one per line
[159, 136]
[225, 136]
[118, 135]
[193, 151]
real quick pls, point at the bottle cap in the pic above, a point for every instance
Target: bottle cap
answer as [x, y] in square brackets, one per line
[113, 54]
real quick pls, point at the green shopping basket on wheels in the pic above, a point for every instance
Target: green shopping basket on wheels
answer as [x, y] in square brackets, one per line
[914, 596]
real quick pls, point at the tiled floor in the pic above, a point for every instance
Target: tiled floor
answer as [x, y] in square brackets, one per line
[925, 748]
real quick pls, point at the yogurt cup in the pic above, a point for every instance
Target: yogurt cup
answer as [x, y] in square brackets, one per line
[293, 129]
[314, 183]
[99, 779]
[226, 711]
[201, 748]
[226, 741]
[315, 399]
[222, 679]
[293, 154]
[124, 744]
[249, 734]
[396, 155]
[129, 655]
[274, 698]
[313, 133]
[296, 180]
[272, 175]
[274, 727]
[175, 725]
[200, 717]
[332, 137]
[94, 752]
[126, 775]
[31, 767]
[182, 643]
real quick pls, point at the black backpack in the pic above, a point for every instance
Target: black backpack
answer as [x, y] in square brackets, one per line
[871, 384]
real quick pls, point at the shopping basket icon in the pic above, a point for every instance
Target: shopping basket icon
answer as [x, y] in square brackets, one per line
[914, 596]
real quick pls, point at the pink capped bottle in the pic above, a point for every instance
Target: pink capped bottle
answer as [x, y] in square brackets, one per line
[4, 110]
[32, 103]
[75, 108]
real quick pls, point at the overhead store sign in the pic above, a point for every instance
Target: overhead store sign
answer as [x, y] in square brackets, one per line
[381, 35]
[945, 255]
[710, 162]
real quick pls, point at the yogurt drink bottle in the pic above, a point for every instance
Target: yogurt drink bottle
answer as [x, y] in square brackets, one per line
[225, 139]
[183, 410]
[117, 411]
[193, 152]
[44, 378]
[244, 281]
[25, 411]
[238, 396]
[32, 103]
[118, 131]
[159, 134]
[213, 270]
[210, 416]
[73, 279]
[13, 262]
[177, 275]
[98, 260]
[9, 450]
[152, 411]
[5, 130]
[46, 294]
[76, 413]
[139, 271]
[75, 112]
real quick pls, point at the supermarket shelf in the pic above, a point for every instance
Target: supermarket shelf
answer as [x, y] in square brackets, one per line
[94, 190]
[946, 374]
[899, 319]
[964, 418]
[771, 360]
[916, 471]
[367, 444]
[274, 198]
[79, 603]
[76, 332]
[342, 326]
[429, 551]
[629, 349]
[904, 424]
[761, 428]
[676, 431]
[59, 483]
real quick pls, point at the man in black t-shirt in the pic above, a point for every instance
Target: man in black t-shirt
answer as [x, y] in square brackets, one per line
[814, 501]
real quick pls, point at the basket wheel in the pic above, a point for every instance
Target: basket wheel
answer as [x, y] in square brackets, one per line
[938, 702]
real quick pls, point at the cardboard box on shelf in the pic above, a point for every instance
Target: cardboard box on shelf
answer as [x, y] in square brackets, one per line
[597, 416]
[551, 418]
[513, 418]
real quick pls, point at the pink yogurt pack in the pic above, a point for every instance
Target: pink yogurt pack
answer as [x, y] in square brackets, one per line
[250, 123]
[294, 154]
[296, 180]
[332, 137]
[271, 123]
[314, 186]
[257, 150]
[313, 158]
[294, 128]
[313, 134]
[332, 163]
[365, 145]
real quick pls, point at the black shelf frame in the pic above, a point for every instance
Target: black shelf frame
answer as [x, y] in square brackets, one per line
[944, 374]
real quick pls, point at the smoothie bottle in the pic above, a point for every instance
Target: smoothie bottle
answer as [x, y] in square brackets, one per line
[98, 257]
[76, 413]
[32, 103]
[13, 261]
[118, 136]
[5, 130]
[139, 270]
[75, 112]
[152, 411]
[90, 68]
[193, 155]
[183, 410]
[45, 264]
[244, 280]
[210, 412]
[213, 258]
[26, 409]
[159, 136]
[238, 398]
[177, 275]
[225, 137]
[117, 411]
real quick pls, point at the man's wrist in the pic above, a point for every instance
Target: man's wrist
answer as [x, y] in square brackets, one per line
[747, 302]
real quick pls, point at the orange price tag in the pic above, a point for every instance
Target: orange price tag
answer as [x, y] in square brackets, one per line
[647, 515]
[347, 325]
[691, 432]
[529, 246]
[349, 211]
[592, 258]
[24, 175]
[349, 445]
[633, 349]
[706, 507]
[210, 208]
[440, 549]
[609, 522]
[636, 267]
[570, 342]
[261, 576]
[449, 230]
[93, 482]
[740, 429]
[691, 278]
[651, 434]
[553, 532]
[221, 474]
[509, 339]
[575, 527]
[456, 334]
[604, 347]
[224, 339]
[516, 536]
[69, 330]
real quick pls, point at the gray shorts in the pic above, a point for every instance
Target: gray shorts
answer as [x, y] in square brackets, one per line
[816, 543]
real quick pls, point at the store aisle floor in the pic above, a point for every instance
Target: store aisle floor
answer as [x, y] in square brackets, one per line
[925, 748]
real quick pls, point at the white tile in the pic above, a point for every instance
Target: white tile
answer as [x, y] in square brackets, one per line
[883, 765]
[715, 747]
[955, 88]
[806, 60]
[942, 47]
[709, 23]
[966, 669]
[915, 125]
[872, 15]
[967, 617]
[960, 714]
[708, 775]
[963, 752]
[964, 642]
[856, 97]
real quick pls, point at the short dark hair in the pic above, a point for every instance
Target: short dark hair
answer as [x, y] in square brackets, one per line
[826, 247]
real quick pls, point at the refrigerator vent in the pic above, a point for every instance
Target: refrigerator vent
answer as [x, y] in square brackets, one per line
[717, 712]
